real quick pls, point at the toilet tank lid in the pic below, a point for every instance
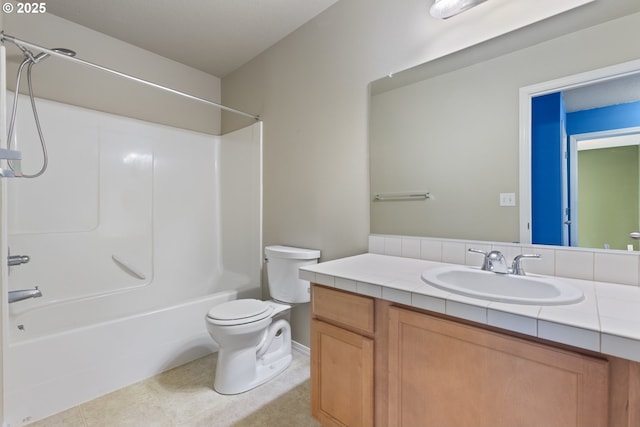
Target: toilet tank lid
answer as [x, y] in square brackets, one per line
[291, 252]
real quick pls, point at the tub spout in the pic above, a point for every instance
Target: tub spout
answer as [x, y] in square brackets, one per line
[24, 294]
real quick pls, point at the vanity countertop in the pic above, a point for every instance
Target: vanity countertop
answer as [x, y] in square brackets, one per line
[606, 321]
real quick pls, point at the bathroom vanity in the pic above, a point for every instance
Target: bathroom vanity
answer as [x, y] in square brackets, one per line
[389, 350]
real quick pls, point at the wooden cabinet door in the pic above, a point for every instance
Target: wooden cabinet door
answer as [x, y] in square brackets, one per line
[447, 374]
[341, 376]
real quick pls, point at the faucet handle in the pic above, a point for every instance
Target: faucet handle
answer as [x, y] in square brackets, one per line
[486, 264]
[516, 266]
[478, 251]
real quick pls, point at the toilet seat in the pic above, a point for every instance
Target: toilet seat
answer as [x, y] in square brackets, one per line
[239, 312]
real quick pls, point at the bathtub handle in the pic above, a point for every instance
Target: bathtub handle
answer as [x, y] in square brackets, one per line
[128, 267]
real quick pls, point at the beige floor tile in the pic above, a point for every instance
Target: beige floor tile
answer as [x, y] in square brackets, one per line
[129, 400]
[290, 409]
[191, 376]
[184, 397]
[145, 414]
[187, 391]
[69, 418]
[183, 406]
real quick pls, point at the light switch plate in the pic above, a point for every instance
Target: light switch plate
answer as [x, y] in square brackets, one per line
[507, 199]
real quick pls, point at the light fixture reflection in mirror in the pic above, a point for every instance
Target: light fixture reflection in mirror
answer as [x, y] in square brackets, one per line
[444, 9]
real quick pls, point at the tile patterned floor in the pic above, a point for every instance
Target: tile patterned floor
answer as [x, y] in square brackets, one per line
[184, 397]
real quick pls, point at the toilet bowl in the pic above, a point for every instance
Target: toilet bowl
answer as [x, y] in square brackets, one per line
[254, 337]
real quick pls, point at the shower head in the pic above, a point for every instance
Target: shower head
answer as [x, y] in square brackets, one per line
[43, 55]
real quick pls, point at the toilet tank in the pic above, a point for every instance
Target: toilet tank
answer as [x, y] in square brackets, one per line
[283, 263]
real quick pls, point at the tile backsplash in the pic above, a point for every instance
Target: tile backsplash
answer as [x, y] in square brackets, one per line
[577, 263]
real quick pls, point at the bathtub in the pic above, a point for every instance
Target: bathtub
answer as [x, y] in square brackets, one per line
[52, 372]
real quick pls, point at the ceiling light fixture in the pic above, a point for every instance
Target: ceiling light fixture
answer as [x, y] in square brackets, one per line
[444, 9]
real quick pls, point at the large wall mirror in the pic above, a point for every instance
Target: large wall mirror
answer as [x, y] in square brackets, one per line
[451, 129]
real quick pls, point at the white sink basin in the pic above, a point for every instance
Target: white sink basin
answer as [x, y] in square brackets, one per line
[487, 285]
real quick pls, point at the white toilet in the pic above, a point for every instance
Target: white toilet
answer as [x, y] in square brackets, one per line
[255, 336]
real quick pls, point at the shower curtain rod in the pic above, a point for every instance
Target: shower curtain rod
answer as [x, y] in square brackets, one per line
[18, 42]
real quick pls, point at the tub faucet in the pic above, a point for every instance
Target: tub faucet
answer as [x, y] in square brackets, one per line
[24, 294]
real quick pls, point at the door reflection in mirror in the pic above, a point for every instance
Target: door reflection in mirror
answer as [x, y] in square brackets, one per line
[585, 166]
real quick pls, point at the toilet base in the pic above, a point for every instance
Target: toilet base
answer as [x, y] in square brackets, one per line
[240, 369]
[265, 370]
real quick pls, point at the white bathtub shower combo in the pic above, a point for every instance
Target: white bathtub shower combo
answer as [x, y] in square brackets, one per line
[134, 233]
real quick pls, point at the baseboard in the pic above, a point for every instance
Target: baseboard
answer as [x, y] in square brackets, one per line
[300, 348]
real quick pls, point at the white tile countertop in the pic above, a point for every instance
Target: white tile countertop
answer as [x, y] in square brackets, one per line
[606, 321]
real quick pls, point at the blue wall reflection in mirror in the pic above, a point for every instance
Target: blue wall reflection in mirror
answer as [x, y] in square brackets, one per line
[551, 130]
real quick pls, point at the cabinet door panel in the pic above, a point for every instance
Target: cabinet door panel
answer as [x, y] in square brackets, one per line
[341, 376]
[443, 373]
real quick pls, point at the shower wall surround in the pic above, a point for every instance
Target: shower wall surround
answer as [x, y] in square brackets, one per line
[128, 206]
[93, 203]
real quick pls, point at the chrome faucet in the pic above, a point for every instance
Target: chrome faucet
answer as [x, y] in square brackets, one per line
[496, 262]
[24, 294]
[493, 261]
[13, 260]
[17, 260]
[516, 266]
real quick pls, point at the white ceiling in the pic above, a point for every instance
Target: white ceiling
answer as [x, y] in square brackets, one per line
[214, 36]
[612, 92]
